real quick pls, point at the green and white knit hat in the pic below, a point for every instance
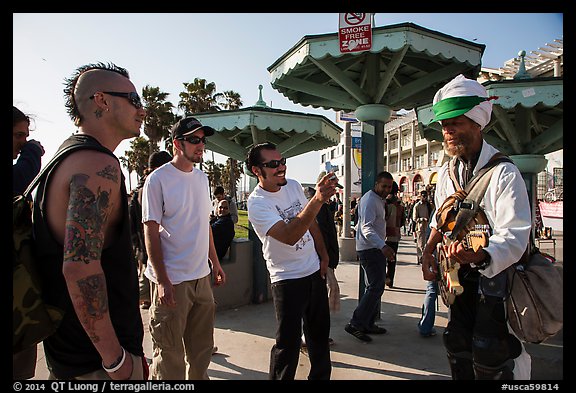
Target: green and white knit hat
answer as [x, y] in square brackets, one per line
[462, 96]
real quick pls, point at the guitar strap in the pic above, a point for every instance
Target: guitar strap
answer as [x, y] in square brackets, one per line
[475, 190]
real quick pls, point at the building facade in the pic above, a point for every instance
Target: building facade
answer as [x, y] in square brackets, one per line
[415, 161]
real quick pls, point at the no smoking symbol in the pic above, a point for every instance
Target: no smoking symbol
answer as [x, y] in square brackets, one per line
[354, 18]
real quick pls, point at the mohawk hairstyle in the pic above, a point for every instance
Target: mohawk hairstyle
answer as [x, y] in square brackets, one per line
[70, 86]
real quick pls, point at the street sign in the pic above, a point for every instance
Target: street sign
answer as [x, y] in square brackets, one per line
[355, 32]
[346, 116]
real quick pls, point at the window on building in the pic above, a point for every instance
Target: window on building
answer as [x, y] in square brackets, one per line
[542, 185]
[406, 139]
[406, 164]
[558, 174]
[332, 153]
[434, 156]
[323, 159]
[419, 161]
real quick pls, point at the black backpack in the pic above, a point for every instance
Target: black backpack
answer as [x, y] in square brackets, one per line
[34, 320]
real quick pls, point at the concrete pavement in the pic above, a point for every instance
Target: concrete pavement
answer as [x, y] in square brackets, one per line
[245, 335]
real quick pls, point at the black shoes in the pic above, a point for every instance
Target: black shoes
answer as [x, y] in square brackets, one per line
[359, 334]
[389, 282]
[375, 330]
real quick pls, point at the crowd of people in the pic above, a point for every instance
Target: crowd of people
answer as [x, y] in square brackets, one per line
[106, 253]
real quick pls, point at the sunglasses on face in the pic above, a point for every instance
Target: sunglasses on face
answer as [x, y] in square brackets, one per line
[193, 139]
[133, 97]
[274, 163]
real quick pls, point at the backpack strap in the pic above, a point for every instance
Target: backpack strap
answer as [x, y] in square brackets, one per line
[475, 190]
[452, 173]
[72, 144]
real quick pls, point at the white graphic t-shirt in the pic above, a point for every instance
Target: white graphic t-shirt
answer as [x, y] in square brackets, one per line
[267, 208]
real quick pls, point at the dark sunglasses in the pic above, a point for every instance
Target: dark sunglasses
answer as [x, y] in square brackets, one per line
[274, 163]
[133, 97]
[193, 139]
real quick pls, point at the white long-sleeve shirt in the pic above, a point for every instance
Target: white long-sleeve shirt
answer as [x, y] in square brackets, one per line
[506, 206]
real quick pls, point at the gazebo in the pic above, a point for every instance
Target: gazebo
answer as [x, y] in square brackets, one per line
[527, 122]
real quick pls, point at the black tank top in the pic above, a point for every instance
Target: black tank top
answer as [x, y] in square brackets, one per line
[69, 351]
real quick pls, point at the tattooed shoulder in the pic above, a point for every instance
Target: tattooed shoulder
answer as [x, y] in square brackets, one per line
[110, 172]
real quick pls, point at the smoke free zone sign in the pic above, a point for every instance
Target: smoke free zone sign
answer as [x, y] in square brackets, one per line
[355, 32]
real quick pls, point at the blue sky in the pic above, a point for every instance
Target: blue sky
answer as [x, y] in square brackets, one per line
[232, 50]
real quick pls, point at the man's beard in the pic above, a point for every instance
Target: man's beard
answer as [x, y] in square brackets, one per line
[454, 151]
[459, 149]
[192, 158]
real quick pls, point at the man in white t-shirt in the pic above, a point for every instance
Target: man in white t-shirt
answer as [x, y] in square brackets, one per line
[179, 242]
[296, 258]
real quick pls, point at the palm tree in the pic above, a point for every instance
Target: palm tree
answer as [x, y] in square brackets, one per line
[159, 117]
[230, 100]
[231, 175]
[214, 171]
[199, 96]
[136, 158]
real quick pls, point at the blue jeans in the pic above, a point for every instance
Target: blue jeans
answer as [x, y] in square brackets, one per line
[373, 263]
[426, 323]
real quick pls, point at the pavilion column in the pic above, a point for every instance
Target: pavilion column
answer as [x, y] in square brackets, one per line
[260, 271]
[530, 165]
[347, 244]
[373, 117]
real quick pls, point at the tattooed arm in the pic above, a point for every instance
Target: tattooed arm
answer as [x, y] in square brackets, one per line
[94, 206]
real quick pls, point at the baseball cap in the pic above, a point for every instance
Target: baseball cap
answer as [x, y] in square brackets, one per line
[188, 126]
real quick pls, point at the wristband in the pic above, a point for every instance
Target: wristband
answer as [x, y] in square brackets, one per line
[117, 364]
[483, 263]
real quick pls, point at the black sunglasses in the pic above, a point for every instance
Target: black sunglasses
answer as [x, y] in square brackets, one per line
[133, 97]
[193, 139]
[274, 163]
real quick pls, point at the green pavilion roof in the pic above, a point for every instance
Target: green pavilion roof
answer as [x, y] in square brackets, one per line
[293, 133]
[404, 68]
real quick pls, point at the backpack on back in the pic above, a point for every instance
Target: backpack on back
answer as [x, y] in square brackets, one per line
[33, 320]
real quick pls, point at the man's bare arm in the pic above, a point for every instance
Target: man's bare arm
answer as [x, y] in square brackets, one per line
[93, 197]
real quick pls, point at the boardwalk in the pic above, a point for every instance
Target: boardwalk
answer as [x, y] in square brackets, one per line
[244, 335]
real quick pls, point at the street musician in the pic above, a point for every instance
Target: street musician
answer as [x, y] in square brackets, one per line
[478, 340]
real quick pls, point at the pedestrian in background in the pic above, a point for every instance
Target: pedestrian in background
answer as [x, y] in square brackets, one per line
[372, 252]
[421, 215]
[394, 220]
[29, 155]
[219, 195]
[325, 221]
[223, 228]
[156, 160]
